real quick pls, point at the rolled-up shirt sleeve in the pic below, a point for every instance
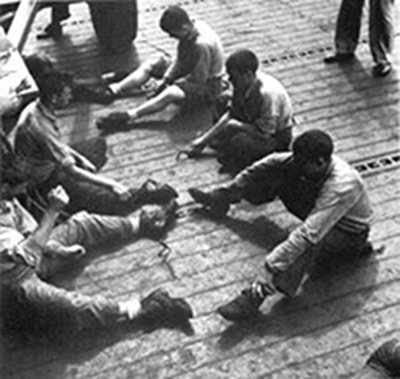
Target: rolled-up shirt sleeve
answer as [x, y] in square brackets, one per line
[333, 203]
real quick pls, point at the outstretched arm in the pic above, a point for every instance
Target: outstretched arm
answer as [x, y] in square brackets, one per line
[206, 137]
[85, 175]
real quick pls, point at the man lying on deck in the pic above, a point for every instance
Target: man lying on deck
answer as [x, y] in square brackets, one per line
[318, 187]
[194, 77]
[31, 254]
[258, 120]
[36, 139]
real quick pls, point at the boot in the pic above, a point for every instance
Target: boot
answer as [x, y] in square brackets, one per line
[159, 307]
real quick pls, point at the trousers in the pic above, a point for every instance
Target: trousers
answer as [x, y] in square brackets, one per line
[381, 28]
[34, 301]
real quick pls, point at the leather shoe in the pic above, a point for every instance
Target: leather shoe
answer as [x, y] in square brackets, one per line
[53, 30]
[339, 58]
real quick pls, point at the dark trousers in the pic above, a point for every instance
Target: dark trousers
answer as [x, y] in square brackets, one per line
[381, 27]
[31, 300]
[85, 195]
[335, 249]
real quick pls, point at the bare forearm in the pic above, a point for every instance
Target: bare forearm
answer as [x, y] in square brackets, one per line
[90, 177]
[41, 235]
[213, 131]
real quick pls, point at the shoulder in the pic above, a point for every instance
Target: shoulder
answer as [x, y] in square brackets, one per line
[28, 112]
[343, 176]
[207, 36]
[277, 159]
[269, 84]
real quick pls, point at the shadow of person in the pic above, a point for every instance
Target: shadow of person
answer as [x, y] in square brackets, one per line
[260, 230]
[323, 304]
[54, 346]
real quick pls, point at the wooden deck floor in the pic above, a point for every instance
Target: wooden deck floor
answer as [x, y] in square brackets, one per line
[334, 324]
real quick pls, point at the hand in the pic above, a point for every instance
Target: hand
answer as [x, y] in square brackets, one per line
[122, 191]
[263, 285]
[58, 198]
[156, 88]
[9, 100]
[235, 125]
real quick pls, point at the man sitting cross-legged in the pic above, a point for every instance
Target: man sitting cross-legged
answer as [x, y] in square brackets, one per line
[258, 120]
[31, 254]
[324, 191]
[194, 77]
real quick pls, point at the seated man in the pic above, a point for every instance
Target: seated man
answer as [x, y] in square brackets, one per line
[82, 90]
[384, 362]
[30, 255]
[36, 140]
[319, 188]
[194, 77]
[258, 121]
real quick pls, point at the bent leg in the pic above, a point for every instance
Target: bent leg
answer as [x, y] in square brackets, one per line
[91, 230]
[92, 198]
[336, 248]
[84, 232]
[45, 304]
[155, 67]
[171, 95]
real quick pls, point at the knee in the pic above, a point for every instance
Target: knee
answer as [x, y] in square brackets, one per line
[171, 94]
[156, 67]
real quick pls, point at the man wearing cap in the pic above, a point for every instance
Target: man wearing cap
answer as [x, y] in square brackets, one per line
[318, 187]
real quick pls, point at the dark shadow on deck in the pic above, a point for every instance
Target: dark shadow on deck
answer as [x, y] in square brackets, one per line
[323, 304]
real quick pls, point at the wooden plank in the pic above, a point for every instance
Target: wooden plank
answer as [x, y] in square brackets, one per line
[22, 22]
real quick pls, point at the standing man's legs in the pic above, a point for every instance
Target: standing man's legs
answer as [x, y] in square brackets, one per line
[381, 34]
[59, 12]
[348, 26]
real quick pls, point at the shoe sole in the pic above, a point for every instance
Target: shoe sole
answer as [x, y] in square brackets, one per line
[242, 318]
[199, 196]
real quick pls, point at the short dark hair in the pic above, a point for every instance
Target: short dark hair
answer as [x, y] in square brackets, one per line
[313, 144]
[173, 18]
[49, 80]
[242, 61]
[38, 64]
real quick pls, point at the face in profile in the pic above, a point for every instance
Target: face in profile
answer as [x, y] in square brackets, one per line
[63, 99]
[311, 169]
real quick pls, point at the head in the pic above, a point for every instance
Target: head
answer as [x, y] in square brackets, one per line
[176, 22]
[312, 152]
[13, 169]
[54, 86]
[242, 66]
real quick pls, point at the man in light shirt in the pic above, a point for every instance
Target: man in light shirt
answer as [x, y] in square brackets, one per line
[318, 187]
[194, 77]
[257, 121]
